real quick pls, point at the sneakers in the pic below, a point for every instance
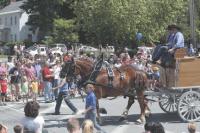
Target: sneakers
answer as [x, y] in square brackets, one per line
[79, 112]
[56, 113]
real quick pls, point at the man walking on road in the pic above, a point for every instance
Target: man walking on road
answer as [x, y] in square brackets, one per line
[63, 93]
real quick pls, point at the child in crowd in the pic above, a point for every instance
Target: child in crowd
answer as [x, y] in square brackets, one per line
[192, 127]
[34, 86]
[88, 126]
[24, 88]
[18, 129]
[155, 76]
[90, 107]
[3, 129]
[3, 89]
[73, 125]
[149, 72]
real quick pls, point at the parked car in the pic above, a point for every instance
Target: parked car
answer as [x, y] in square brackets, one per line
[36, 50]
[58, 48]
[85, 48]
[6, 50]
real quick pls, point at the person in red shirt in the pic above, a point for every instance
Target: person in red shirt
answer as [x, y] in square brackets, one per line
[47, 78]
[3, 89]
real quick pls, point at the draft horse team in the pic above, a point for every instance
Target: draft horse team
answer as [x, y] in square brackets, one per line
[127, 81]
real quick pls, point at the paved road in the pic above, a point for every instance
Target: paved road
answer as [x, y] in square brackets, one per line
[10, 115]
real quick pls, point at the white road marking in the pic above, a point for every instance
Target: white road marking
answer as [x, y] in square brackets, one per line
[48, 109]
[12, 108]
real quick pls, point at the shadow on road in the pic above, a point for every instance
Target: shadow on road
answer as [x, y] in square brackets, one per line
[114, 120]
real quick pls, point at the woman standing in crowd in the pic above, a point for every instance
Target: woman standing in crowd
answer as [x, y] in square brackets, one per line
[47, 78]
[56, 80]
[15, 78]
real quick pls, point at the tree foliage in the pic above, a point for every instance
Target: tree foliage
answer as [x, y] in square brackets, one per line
[65, 31]
[43, 12]
[111, 21]
[107, 21]
[3, 3]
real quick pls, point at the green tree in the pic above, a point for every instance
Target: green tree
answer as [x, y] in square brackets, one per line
[111, 21]
[197, 16]
[43, 12]
[3, 3]
[65, 31]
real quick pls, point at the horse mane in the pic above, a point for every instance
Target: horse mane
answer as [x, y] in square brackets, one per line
[85, 64]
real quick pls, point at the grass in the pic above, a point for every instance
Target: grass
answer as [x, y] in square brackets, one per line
[3, 56]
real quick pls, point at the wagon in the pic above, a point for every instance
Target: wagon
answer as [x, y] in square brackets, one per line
[181, 91]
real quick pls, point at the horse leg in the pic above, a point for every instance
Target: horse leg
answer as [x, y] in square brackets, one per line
[147, 109]
[143, 106]
[125, 113]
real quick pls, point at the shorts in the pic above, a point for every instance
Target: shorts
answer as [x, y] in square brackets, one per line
[149, 75]
[3, 94]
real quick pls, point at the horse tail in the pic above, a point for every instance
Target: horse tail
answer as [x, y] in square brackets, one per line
[140, 80]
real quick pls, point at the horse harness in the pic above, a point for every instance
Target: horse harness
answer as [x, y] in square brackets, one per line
[97, 68]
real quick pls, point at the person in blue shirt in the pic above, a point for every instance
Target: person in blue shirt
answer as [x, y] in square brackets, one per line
[175, 40]
[90, 107]
[64, 89]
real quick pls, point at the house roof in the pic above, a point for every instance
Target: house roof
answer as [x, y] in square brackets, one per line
[12, 8]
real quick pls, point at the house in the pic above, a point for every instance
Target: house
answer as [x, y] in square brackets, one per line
[13, 26]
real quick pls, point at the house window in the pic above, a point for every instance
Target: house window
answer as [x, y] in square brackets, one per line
[15, 20]
[11, 20]
[11, 37]
[6, 21]
[15, 37]
[29, 37]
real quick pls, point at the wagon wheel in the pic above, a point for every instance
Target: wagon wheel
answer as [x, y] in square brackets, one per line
[189, 106]
[168, 103]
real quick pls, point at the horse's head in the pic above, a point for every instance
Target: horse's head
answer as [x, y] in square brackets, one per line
[73, 68]
[68, 69]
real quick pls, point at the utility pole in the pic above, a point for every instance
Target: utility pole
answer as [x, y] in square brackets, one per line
[192, 22]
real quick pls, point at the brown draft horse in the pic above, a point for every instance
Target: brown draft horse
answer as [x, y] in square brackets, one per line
[134, 81]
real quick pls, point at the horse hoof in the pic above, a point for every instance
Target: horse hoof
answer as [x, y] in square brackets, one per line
[140, 122]
[148, 114]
